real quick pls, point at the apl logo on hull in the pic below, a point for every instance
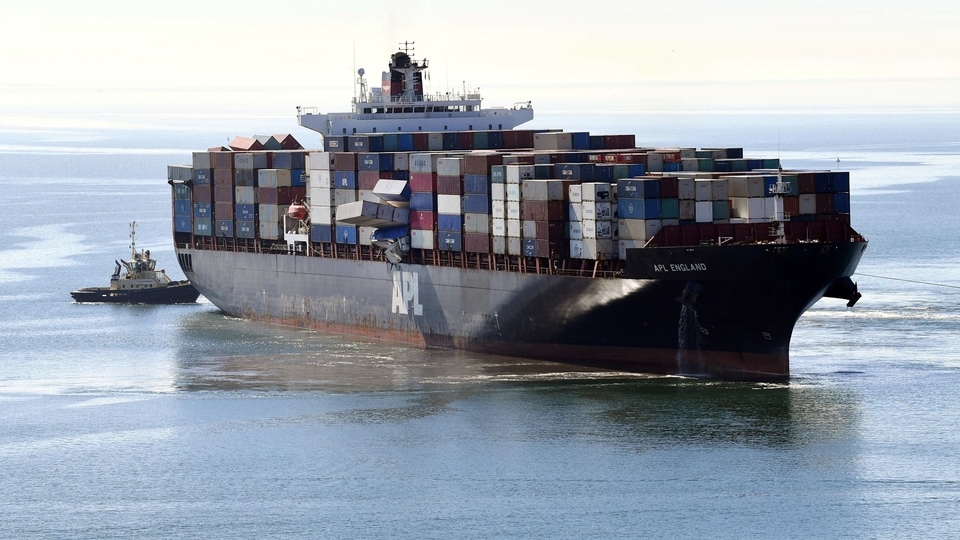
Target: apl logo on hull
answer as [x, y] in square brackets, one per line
[406, 293]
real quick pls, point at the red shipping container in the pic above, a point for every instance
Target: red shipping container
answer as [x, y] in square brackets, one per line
[423, 219]
[223, 193]
[344, 161]
[449, 185]
[221, 160]
[465, 140]
[423, 182]
[825, 203]
[284, 195]
[223, 176]
[267, 195]
[202, 193]
[480, 163]
[476, 243]
[223, 211]
[669, 187]
[806, 183]
[421, 142]
[368, 179]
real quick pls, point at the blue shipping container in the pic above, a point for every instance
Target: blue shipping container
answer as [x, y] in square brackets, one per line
[405, 142]
[182, 207]
[246, 229]
[334, 144]
[202, 210]
[183, 224]
[423, 200]
[476, 183]
[321, 233]
[344, 180]
[298, 178]
[841, 203]
[581, 140]
[245, 212]
[450, 222]
[449, 241]
[346, 234]
[474, 203]
[631, 208]
[841, 181]
[224, 227]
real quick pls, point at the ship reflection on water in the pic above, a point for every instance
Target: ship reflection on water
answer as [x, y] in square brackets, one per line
[402, 383]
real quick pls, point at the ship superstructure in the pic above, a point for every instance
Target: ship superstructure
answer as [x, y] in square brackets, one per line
[401, 104]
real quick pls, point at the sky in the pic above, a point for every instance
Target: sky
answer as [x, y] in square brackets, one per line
[67, 59]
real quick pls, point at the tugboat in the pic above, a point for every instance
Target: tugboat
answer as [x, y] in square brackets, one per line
[138, 281]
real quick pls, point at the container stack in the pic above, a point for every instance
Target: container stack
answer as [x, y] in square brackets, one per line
[590, 212]
[320, 190]
[450, 203]
[478, 198]
[515, 193]
[423, 200]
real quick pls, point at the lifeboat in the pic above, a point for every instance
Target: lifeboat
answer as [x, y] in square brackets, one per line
[297, 211]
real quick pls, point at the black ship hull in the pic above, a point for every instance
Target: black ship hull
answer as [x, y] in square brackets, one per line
[726, 312]
[177, 292]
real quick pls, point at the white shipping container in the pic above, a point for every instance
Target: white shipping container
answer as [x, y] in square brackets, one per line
[448, 204]
[244, 195]
[589, 227]
[686, 188]
[808, 203]
[422, 239]
[423, 162]
[364, 234]
[516, 173]
[575, 230]
[401, 161]
[368, 195]
[320, 179]
[499, 227]
[476, 223]
[596, 191]
[513, 228]
[690, 164]
[498, 192]
[321, 161]
[513, 210]
[529, 228]
[720, 191]
[321, 215]
[533, 190]
[704, 211]
[632, 229]
[450, 166]
[604, 228]
[321, 196]
[553, 140]
[597, 210]
[498, 209]
[654, 162]
[269, 230]
[344, 196]
[771, 207]
[598, 248]
[745, 186]
[576, 193]
[513, 192]
[653, 226]
[749, 208]
[499, 245]
[514, 245]
[704, 190]
[268, 213]
[576, 249]
[358, 213]
[392, 191]
[575, 212]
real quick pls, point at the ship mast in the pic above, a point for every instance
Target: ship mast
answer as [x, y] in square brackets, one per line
[779, 217]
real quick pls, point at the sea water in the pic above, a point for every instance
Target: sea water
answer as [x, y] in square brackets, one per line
[181, 422]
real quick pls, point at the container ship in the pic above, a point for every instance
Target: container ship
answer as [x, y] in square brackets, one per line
[431, 221]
